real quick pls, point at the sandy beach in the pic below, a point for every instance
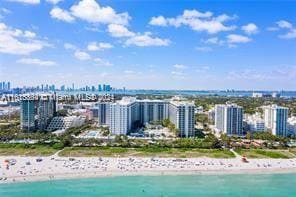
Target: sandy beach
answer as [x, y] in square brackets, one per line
[55, 167]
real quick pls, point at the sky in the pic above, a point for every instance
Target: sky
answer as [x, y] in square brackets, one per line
[150, 44]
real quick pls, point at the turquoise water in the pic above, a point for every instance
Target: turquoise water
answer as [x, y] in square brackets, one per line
[198, 185]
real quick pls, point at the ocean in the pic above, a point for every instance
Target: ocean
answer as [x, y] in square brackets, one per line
[197, 185]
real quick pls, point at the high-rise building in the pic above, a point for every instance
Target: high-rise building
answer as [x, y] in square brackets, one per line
[8, 85]
[27, 113]
[36, 114]
[182, 115]
[129, 113]
[103, 113]
[275, 118]
[108, 88]
[229, 119]
[153, 110]
[123, 115]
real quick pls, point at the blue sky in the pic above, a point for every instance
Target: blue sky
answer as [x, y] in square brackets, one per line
[149, 44]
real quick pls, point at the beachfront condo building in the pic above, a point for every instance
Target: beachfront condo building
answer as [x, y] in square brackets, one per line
[153, 110]
[36, 114]
[182, 115]
[123, 115]
[254, 123]
[275, 118]
[63, 123]
[229, 119]
[103, 113]
[292, 126]
[129, 114]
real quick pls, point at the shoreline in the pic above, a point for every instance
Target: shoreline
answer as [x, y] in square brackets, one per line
[61, 168]
[61, 177]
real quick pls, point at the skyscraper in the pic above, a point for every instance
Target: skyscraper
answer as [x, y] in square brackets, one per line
[123, 114]
[275, 118]
[129, 113]
[182, 115]
[8, 85]
[36, 114]
[153, 110]
[104, 113]
[229, 119]
[27, 113]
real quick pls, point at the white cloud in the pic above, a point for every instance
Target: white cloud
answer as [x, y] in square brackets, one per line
[82, 55]
[284, 24]
[91, 11]
[178, 74]
[62, 15]
[26, 1]
[119, 31]
[137, 39]
[289, 35]
[29, 34]
[101, 62]
[93, 46]
[5, 11]
[54, 1]
[180, 66]
[18, 42]
[214, 40]
[143, 40]
[36, 61]
[69, 46]
[235, 38]
[158, 21]
[250, 28]
[197, 21]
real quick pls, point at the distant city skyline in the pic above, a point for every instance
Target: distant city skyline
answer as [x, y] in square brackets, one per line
[192, 45]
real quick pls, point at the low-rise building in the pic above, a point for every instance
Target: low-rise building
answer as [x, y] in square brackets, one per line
[254, 123]
[292, 126]
[63, 123]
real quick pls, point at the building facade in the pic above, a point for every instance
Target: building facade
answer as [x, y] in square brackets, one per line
[275, 118]
[153, 110]
[63, 123]
[103, 113]
[255, 123]
[129, 114]
[229, 119]
[36, 114]
[183, 116]
[292, 126]
[123, 115]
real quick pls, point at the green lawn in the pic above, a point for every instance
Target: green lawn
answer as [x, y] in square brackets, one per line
[144, 152]
[259, 153]
[31, 150]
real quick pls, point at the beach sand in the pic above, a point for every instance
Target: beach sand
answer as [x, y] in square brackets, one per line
[55, 167]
